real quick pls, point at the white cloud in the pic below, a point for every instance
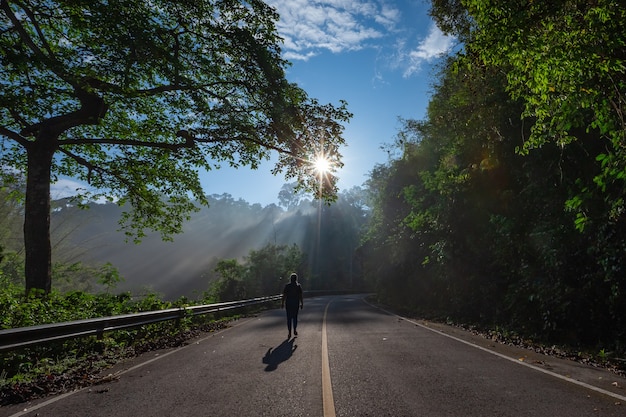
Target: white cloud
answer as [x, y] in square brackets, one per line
[309, 27]
[294, 56]
[388, 16]
[68, 187]
[433, 46]
[65, 187]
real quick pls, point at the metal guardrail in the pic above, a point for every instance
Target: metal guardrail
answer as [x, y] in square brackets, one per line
[44, 333]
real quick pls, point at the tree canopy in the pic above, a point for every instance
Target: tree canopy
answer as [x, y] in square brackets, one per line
[134, 98]
[565, 61]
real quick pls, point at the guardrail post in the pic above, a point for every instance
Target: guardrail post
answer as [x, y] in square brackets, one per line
[181, 315]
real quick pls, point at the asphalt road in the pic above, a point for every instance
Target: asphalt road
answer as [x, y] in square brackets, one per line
[349, 359]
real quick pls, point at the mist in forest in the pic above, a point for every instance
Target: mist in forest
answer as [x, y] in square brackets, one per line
[227, 229]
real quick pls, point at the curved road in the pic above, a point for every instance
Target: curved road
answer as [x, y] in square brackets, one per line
[349, 359]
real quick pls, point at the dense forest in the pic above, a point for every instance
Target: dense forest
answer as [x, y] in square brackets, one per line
[504, 206]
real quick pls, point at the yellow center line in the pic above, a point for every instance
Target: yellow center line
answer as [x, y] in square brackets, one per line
[327, 386]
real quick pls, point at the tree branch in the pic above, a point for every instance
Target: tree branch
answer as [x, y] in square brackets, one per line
[240, 138]
[90, 167]
[92, 109]
[102, 171]
[177, 86]
[14, 136]
[128, 142]
[190, 141]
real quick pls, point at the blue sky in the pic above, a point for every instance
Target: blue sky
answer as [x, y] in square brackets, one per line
[377, 55]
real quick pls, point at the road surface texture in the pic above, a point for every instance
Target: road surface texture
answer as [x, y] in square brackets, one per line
[349, 359]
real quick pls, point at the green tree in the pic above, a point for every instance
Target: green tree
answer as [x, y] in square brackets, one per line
[135, 98]
[230, 285]
[566, 60]
[262, 273]
[11, 218]
[11, 210]
[290, 196]
[270, 266]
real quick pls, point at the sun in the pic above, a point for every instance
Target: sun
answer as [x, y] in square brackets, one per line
[321, 165]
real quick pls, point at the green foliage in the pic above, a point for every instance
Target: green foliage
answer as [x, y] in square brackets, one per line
[109, 277]
[32, 309]
[229, 286]
[565, 61]
[264, 272]
[12, 266]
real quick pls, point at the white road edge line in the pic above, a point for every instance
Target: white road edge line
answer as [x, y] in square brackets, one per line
[327, 387]
[536, 368]
[67, 394]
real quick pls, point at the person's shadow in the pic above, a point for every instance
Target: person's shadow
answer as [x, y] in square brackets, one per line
[279, 354]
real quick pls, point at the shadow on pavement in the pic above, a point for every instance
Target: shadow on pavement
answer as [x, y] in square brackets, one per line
[279, 354]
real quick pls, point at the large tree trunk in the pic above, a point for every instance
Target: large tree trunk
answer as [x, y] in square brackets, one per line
[37, 245]
[38, 268]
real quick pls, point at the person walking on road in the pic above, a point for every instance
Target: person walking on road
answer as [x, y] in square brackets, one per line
[292, 299]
